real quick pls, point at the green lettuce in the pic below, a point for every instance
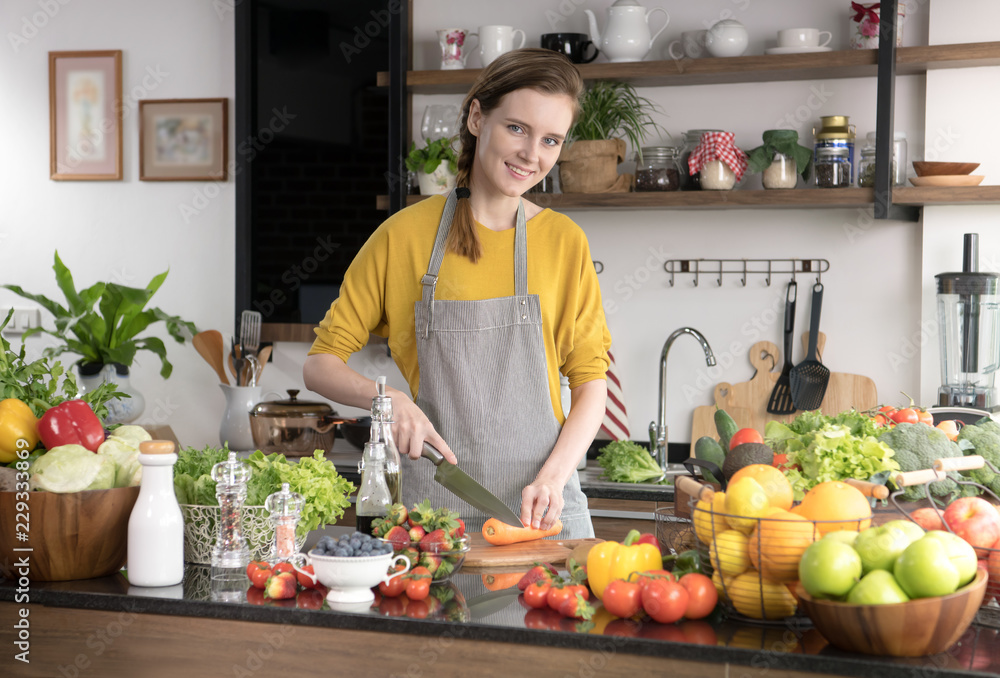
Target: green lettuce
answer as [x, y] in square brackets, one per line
[72, 468]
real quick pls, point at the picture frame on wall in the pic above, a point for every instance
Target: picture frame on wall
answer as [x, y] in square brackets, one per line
[183, 139]
[85, 115]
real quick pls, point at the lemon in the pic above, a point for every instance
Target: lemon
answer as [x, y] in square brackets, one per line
[709, 519]
[760, 598]
[728, 553]
[722, 584]
[745, 502]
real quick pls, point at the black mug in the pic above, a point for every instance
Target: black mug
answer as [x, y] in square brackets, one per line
[573, 45]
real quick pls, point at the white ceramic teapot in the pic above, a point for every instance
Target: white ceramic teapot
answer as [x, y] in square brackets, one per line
[727, 38]
[627, 36]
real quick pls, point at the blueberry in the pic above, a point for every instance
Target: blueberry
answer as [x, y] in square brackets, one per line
[341, 552]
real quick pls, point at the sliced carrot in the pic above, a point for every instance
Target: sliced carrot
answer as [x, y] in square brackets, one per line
[499, 533]
[502, 580]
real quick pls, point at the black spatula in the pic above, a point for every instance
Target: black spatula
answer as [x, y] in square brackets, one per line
[781, 395]
[809, 378]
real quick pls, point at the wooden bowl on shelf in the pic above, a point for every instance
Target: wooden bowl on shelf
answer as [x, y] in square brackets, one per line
[913, 629]
[925, 168]
[79, 535]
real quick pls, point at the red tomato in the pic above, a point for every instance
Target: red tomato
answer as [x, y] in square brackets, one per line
[887, 409]
[395, 586]
[621, 598]
[537, 594]
[418, 585]
[256, 565]
[745, 435]
[652, 575]
[391, 607]
[925, 417]
[309, 599]
[260, 577]
[699, 633]
[417, 609]
[542, 618]
[255, 596]
[306, 581]
[664, 601]
[558, 595]
[283, 567]
[702, 595]
[907, 415]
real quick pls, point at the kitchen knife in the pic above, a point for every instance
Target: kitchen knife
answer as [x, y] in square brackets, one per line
[490, 603]
[459, 483]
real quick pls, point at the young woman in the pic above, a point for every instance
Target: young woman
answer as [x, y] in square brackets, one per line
[485, 298]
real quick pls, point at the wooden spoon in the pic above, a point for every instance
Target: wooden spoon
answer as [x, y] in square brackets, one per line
[262, 358]
[210, 347]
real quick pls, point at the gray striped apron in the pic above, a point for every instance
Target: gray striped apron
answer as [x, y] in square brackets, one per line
[484, 385]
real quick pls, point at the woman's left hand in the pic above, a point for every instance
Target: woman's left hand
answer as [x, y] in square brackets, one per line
[536, 498]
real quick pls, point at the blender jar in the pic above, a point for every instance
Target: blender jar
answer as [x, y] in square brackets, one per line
[969, 327]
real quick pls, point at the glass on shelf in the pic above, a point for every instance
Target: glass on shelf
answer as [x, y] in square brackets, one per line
[440, 121]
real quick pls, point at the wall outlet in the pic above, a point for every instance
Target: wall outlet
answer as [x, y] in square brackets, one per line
[24, 319]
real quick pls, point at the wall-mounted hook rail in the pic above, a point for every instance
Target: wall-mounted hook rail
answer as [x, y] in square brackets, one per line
[744, 267]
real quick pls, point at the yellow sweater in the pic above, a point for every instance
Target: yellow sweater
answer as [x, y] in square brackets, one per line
[383, 282]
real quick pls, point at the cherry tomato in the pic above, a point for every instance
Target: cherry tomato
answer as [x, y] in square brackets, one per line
[260, 577]
[887, 409]
[925, 417]
[745, 435]
[881, 419]
[305, 581]
[537, 594]
[907, 415]
[702, 595]
[395, 586]
[283, 567]
[417, 609]
[256, 565]
[652, 575]
[558, 595]
[621, 598]
[418, 584]
[664, 601]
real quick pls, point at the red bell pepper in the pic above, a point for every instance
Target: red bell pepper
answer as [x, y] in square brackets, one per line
[71, 423]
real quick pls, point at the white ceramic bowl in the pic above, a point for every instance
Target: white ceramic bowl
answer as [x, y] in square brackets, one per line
[350, 580]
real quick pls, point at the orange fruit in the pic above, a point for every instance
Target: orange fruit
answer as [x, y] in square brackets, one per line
[836, 501]
[775, 484]
[777, 544]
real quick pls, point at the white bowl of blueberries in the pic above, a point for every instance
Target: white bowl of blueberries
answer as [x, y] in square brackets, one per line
[351, 565]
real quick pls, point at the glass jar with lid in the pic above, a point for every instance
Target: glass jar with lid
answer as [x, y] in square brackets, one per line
[692, 138]
[833, 167]
[656, 169]
[837, 133]
[866, 165]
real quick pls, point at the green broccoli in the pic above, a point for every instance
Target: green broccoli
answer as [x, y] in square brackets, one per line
[916, 447]
[983, 439]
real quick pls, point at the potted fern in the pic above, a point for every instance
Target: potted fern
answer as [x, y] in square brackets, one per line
[102, 324]
[608, 111]
[436, 165]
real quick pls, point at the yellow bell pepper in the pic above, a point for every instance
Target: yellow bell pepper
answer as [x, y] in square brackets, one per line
[611, 560]
[17, 423]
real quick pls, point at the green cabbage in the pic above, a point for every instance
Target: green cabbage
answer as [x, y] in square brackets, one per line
[123, 446]
[72, 468]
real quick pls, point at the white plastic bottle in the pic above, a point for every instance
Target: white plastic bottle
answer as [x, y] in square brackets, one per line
[156, 526]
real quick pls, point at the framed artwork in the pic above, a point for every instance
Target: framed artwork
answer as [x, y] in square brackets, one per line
[85, 116]
[183, 139]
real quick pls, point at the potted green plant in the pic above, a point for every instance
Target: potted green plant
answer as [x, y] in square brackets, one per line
[608, 111]
[436, 165]
[102, 324]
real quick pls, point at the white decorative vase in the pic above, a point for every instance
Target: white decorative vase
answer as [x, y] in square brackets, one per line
[438, 182]
[120, 411]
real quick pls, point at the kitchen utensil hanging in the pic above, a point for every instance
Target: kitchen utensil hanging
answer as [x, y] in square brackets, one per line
[718, 268]
[810, 377]
[780, 401]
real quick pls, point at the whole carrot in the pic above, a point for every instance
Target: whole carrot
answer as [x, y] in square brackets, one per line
[499, 533]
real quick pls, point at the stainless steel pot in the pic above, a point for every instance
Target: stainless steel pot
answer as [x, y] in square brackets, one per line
[294, 427]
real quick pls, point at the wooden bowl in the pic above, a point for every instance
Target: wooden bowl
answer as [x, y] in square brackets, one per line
[913, 629]
[930, 169]
[80, 535]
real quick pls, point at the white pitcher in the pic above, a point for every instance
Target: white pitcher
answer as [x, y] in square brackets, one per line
[235, 427]
[497, 40]
[627, 36]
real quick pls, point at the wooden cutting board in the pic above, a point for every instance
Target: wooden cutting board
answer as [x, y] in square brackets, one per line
[484, 557]
[747, 402]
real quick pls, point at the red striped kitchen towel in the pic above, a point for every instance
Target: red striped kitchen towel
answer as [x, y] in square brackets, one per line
[615, 425]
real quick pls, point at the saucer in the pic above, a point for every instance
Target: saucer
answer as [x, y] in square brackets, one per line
[948, 180]
[796, 50]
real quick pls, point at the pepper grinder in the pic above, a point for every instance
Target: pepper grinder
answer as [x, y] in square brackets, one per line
[230, 554]
[286, 509]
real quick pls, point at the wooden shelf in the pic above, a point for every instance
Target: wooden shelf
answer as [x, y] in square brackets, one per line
[800, 198]
[758, 68]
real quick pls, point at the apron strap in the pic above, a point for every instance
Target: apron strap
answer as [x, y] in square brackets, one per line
[429, 279]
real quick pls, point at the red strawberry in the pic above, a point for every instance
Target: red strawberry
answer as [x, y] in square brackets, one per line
[435, 542]
[398, 537]
[417, 533]
[536, 573]
[397, 514]
[459, 531]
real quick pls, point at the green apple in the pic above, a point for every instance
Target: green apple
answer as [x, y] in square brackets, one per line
[960, 552]
[829, 569]
[880, 546]
[843, 536]
[927, 569]
[907, 526]
[878, 587]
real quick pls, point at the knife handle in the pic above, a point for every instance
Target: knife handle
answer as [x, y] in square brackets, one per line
[431, 453]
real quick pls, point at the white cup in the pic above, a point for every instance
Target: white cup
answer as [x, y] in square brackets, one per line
[804, 37]
[454, 50]
[691, 45]
[497, 40]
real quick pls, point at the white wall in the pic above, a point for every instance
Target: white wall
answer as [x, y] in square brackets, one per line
[878, 289]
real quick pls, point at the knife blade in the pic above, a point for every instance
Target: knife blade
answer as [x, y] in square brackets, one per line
[490, 603]
[462, 485]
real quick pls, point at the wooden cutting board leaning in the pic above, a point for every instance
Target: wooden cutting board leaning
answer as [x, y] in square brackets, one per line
[484, 557]
[746, 402]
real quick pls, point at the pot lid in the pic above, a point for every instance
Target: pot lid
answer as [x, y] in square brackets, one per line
[292, 407]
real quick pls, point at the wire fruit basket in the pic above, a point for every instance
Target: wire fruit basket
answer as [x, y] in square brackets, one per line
[201, 528]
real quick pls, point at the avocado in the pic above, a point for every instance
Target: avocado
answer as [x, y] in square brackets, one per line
[745, 455]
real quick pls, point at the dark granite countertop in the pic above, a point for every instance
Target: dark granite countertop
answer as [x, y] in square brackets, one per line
[473, 612]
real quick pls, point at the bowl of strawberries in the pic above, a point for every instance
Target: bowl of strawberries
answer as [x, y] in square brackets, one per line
[430, 537]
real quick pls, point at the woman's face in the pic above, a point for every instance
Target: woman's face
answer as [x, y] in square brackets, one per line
[519, 141]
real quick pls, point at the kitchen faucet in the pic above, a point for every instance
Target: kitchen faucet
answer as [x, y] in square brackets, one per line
[658, 430]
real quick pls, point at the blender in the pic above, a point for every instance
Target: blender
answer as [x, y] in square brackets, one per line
[969, 328]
